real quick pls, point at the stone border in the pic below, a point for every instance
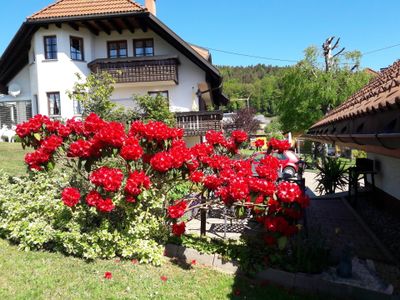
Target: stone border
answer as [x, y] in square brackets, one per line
[312, 284]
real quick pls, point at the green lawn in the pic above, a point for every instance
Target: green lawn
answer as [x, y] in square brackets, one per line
[40, 275]
[12, 158]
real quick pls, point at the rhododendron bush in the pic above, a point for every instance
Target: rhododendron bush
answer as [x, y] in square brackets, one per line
[123, 177]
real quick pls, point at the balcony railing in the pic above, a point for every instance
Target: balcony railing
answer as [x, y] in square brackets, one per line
[139, 69]
[198, 123]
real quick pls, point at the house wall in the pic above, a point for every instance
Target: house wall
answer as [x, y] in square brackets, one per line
[388, 174]
[42, 76]
[23, 80]
[59, 75]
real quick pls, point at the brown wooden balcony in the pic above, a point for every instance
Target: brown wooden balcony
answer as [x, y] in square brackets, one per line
[198, 123]
[139, 69]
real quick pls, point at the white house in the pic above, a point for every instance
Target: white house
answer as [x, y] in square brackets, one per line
[119, 36]
[370, 120]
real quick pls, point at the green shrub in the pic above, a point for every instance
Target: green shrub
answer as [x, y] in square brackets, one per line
[332, 175]
[33, 215]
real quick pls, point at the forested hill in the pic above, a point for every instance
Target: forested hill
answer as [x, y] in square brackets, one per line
[258, 81]
[248, 74]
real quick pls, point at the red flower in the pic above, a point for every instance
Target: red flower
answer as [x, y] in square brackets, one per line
[112, 135]
[239, 189]
[80, 148]
[164, 278]
[267, 172]
[259, 143]
[262, 186]
[178, 229]
[51, 144]
[108, 178]
[289, 192]
[239, 136]
[279, 145]
[212, 182]
[161, 162]
[131, 149]
[36, 159]
[105, 205]
[134, 261]
[93, 123]
[196, 176]
[178, 210]
[193, 262]
[134, 185]
[74, 126]
[93, 198]
[215, 137]
[108, 275]
[70, 196]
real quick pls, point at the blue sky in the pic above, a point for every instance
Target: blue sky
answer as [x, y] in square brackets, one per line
[268, 28]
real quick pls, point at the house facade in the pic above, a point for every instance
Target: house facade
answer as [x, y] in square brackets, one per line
[121, 37]
[370, 120]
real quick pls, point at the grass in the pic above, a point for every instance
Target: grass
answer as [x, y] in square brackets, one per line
[12, 158]
[41, 275]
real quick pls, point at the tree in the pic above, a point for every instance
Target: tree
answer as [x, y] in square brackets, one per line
[307, 91]
[155, 109]
[244, 120]
[94, 95]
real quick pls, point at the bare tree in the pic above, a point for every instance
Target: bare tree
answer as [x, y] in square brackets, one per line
[328, 48]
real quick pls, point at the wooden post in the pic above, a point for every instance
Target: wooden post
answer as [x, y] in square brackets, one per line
[203, 219]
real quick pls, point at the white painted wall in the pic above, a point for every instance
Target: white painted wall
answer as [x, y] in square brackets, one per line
[23, 80]
[59, 75]
[388, 174]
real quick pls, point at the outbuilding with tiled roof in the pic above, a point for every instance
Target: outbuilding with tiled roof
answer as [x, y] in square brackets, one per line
[369, 120]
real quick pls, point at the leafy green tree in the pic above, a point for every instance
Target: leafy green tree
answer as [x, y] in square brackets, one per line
[155, 109]
[94, 95]
[274, 129]
[307, 91]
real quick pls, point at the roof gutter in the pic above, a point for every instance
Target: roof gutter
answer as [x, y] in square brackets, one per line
[382, 139]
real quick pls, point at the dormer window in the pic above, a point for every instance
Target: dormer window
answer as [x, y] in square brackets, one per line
[143, 47]
[117, 49]
[50, 47]
[76, 48]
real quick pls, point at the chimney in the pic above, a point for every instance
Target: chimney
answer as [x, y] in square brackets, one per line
[151, 6]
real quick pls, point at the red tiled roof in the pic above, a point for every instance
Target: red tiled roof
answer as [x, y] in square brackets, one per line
[381, 92]
[75, 8]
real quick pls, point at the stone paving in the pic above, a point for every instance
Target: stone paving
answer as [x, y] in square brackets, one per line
[339, 224]
[332, 217]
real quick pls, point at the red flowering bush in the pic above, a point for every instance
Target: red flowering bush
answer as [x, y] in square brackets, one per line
[121, 173]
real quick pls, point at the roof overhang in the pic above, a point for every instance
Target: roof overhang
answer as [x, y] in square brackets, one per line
[378, 132]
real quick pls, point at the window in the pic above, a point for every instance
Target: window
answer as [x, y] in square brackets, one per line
[77, 107]
[143, 47]
[161, 93]
[50, 47]
[76, 48]
[117, 49]
[54, 103]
